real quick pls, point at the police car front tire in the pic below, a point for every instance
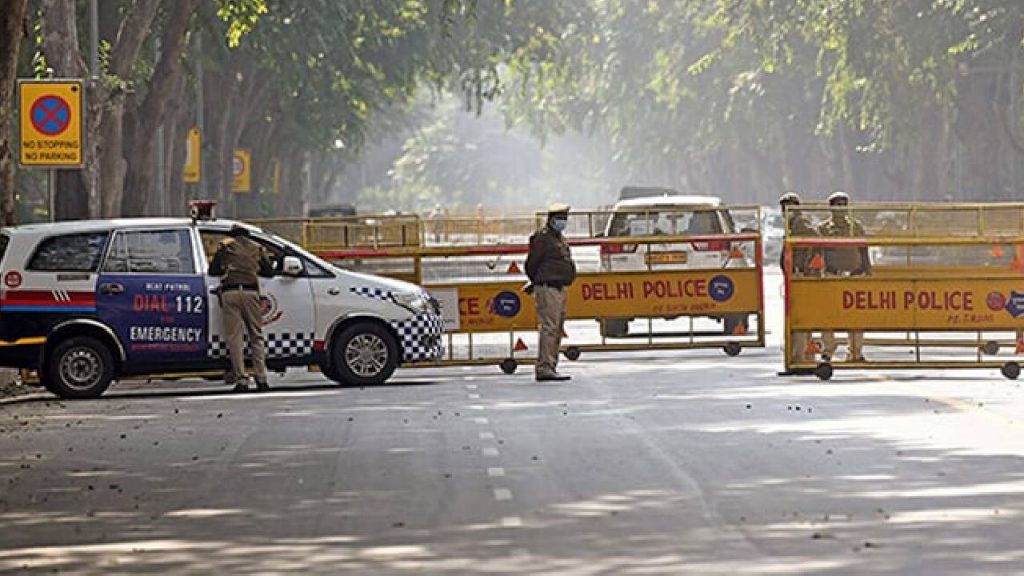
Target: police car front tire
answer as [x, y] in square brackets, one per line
[79, 367]
[364, 354]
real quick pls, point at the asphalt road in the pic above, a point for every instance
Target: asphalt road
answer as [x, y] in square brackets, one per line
[646, 463]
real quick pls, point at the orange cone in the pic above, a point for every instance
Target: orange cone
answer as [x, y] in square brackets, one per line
[520, 345]
[736, 253]
[817, 263]
[812, 347]
[997, 251]
[739, 330]
[1020, 346]
[513, 268]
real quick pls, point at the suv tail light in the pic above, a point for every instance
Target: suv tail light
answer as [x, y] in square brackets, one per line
[617, 248]
[712, 246]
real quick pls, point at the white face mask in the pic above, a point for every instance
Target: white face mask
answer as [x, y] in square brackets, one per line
[559, 223]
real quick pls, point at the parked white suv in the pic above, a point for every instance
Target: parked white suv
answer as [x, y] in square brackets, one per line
[673, 215]
[85, 303]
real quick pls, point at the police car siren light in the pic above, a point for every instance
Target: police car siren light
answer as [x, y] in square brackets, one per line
[202, 209]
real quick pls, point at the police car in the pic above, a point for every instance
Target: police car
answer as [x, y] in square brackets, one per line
[88, 302]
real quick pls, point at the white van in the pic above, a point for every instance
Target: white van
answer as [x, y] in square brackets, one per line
[87, 302]
[676, 216]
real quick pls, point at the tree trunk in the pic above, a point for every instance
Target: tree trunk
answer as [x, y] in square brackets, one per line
[12, 19]
[112, 164]
[73, 194]
[151, 113]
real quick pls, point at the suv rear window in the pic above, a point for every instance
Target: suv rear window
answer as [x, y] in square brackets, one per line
[151, 252]
[4, 240]
[672, 222]
[69, 253]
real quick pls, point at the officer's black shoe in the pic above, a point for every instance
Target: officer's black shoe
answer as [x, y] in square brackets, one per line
[262, 386]
[241, 387]
[553, 377]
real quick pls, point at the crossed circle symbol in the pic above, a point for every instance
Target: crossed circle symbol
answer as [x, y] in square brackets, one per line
[50, 115]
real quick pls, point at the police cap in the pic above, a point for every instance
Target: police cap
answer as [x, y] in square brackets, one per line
[839, 196]
[789, 198]
[558, 208]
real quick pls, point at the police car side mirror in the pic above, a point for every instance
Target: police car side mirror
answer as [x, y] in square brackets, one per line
[292, 266]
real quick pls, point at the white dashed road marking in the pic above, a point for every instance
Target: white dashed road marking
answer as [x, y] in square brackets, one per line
[495, 471]
[490, 451]
[502, 494]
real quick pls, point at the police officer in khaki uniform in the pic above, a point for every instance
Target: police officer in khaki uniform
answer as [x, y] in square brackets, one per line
[844, 261]
[240, 261]
[550, 268]
[799, 226]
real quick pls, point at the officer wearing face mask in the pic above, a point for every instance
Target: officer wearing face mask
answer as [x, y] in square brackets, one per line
[844, 261]
[550, 268]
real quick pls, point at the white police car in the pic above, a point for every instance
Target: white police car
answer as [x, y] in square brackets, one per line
[87, 302]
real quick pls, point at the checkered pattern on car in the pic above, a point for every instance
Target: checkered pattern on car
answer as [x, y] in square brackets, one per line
[372, 292]
[420, 337]
[282, 345]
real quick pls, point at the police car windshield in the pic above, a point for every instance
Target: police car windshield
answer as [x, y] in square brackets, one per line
[274, 238]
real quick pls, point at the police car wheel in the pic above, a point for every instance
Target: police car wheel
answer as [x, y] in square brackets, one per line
[79, 367]
[329, 371]
[364, 354]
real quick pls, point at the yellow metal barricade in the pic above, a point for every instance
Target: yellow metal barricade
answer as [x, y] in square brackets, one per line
[671, 278]
[941, 288]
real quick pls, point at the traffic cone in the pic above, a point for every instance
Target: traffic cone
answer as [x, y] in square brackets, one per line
[513, 268]
[812, 347]
[1020, 346]
[997, 251]
[520, 345]
[739, 330]
[736, 253]
[816, 263]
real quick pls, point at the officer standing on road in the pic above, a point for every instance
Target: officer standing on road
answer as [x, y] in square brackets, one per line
[844, 261]
[550, 268]
[798, 226]
[240, 261]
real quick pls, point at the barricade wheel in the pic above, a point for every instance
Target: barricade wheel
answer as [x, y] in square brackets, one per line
[572, 353]
[823, 371]
[991, 348]
[733, 348]
[509, 365]
[1011, 370]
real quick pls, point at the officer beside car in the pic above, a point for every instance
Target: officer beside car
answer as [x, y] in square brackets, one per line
[551, 270]
[844, 261]
[799, 226]
[240, 261]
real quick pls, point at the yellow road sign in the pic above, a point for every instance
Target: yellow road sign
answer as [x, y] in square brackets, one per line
[50, 113]
[241, 171]
[193, 166]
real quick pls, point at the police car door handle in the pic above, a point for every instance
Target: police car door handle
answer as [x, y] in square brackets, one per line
[333, 291]
[111, 288]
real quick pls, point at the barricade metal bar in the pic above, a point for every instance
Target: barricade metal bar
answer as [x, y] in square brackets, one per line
[664, 265]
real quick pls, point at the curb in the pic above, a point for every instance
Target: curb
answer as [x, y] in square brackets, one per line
[29, 397]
